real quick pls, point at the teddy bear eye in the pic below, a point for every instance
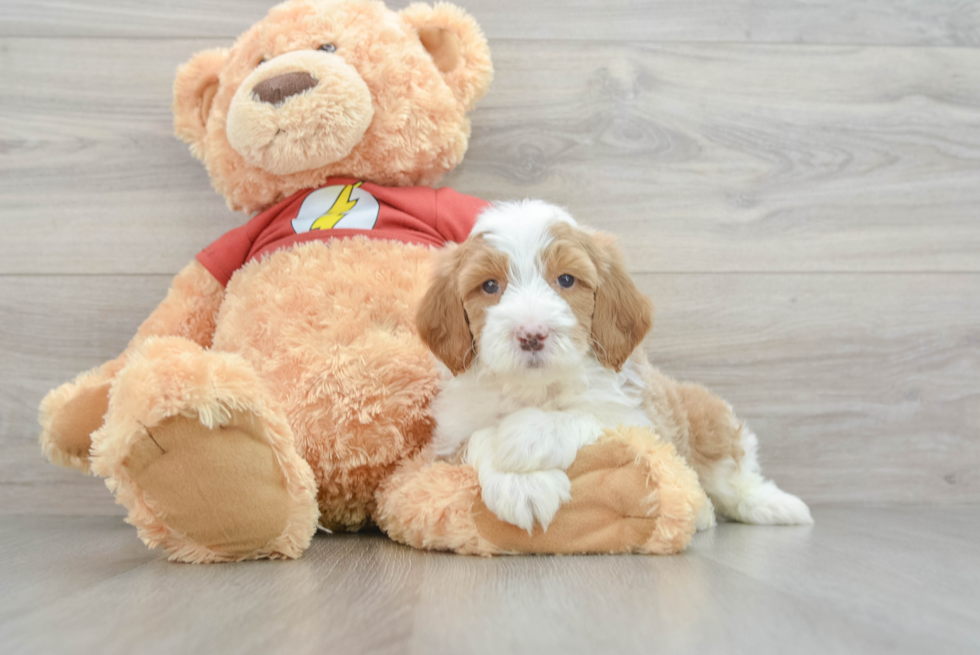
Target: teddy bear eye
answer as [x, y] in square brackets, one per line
[262, 61]
[328, 47]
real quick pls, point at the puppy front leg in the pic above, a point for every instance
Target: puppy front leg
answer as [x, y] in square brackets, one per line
[533, 440]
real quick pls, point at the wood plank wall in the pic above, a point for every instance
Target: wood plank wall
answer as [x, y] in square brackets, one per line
[796, 184]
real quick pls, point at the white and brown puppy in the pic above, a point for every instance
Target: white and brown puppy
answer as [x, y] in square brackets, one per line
[539, 323]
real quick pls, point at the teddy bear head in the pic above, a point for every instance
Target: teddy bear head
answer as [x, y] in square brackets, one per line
[323, 88]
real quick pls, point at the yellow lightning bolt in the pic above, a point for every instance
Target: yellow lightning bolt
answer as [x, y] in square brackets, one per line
[341, 206]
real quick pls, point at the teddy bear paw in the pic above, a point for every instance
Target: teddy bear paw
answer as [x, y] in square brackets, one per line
[206, 468]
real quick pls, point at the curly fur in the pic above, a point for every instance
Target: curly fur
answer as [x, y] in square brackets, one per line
[541, 367]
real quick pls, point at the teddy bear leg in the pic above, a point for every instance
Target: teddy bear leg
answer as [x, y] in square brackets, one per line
[644, 480]
[71, 413]
[631, 492]
[429, 505]
[192, 447]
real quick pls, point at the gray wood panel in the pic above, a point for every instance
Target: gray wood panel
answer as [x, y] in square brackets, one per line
[861, 387]
[797, 185]
[704, 157]
[51, 329]
[856, 582]
[898, 22]
[745, 158]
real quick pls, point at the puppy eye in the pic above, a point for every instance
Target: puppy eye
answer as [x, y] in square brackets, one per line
[491, 287]
[565, 281]
[328, 47]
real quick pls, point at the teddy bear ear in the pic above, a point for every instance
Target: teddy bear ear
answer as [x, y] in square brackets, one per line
[194, 89]
[457, 46]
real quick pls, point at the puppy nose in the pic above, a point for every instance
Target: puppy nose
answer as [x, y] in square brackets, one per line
[277, 89]
[532, 337]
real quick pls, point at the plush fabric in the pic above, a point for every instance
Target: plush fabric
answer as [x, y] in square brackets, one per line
[69, 415]
[630, 493]
[168, 378]
[241, 415]
[330, 327]
[418, 128]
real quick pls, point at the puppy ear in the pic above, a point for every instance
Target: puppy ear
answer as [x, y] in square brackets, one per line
[622, 315]
[194, 90]
[441, 320]
[457, 46]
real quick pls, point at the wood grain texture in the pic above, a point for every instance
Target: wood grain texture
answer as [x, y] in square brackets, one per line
[738, 158]
[704, 157]
[860, 581]
[861, 387]
[51, 329]
[895, 22]
[707, 159]
[796, 184]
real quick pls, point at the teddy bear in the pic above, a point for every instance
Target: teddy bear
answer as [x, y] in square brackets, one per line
[281, 384]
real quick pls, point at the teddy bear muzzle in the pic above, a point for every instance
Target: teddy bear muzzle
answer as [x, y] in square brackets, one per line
[299, 111]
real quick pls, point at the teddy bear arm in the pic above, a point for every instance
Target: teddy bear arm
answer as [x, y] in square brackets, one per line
[189, 310]
[70, 413]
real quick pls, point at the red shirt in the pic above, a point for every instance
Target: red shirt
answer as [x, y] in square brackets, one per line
[345, 208]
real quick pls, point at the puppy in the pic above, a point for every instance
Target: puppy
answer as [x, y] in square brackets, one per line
[539, 324]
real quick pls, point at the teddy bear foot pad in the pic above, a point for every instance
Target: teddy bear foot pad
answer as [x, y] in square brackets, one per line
[221, 487]
[207, 478]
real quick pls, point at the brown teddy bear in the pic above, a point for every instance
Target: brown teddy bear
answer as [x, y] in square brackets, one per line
[281, 382]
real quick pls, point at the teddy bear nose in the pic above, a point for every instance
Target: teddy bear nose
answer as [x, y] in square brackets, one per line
[277, 89]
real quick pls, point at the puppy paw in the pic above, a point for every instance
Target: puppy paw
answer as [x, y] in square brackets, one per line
[523, 498]
[770, 505]
[706, 517]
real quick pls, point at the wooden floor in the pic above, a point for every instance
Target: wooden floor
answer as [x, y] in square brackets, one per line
[797, 185]
[863, 580]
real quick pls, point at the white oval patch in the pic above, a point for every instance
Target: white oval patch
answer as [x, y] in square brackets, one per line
[342, 207]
